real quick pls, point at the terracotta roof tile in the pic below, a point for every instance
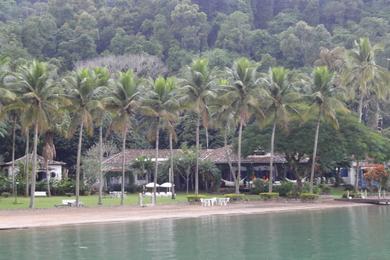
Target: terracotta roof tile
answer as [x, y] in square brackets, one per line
[218, 156]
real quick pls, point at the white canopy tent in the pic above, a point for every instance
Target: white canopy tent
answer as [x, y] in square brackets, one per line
[151, 185]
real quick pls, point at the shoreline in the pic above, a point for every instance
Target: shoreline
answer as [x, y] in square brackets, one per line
[36, 218]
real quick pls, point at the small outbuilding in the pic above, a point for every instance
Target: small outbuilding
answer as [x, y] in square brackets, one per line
[56, 168]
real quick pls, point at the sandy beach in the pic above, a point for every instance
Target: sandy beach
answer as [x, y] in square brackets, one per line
[17, 219]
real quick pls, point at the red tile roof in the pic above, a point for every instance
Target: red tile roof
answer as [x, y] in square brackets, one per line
[40, 159]
[218, 156]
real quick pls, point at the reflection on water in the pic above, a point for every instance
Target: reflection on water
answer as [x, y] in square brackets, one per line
[351, 233]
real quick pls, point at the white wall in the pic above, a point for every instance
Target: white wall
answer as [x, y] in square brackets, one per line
[56, 169]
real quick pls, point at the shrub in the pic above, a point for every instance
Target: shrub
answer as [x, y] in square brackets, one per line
[308, 196]
[294, 193]
[195, 198]
[234, 196]
[306, 188]
[269, 195]
[63, 187]
[5, 194]
[284, 189]
[259, 186]
[5, 183]
[349, 187]
[352, 195]
[325, 190]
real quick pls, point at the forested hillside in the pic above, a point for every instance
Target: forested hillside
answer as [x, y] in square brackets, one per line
[161, 37]
[283, 32]
[81, 78]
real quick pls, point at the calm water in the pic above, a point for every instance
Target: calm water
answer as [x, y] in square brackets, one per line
[350, 233]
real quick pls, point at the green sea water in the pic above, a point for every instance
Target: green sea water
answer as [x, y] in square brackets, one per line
[348, 233]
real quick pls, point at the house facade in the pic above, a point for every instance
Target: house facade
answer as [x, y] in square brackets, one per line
[55, 168]
[253, 166]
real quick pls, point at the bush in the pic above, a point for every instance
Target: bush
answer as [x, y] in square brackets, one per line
[325, 190]
[234, 196]
[284, 189]
[352, 195]
[306, 188]
[63, 187]
[5, 194]
[269, 195]
[308, 196]
[349, 187]
[5, 184]
[195, 198]
[294, 193]
[259, 186]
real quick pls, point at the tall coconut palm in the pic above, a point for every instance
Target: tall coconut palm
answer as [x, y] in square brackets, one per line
[223, 118]
[325, 102]
[6, 94]
[363, 75]
[245, 96]
[101, 79]
[123, 101]
[81, 92]
[35, 87]
[282, 98]
[160, 104]
[27, 159]
[48, 153]
[196, 91]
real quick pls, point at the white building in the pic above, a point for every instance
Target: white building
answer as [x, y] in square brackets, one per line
[55, 168]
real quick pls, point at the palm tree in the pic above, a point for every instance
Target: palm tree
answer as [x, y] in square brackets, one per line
[224, 119]
[48, 153]
[34, 85]
[123, 101]
[244, 96]
[325, 101]
[363, 75]
[196, 91]
[282, 97]
[101, 79]
[6, 94]
[161, 105]
[81, 92]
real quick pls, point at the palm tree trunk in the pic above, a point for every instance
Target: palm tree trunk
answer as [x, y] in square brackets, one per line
[171, 165]
[78, 162]
[26, 170]
[13, 158]
[207, 137]
[357, 176]
[227, 153]
[100, 165]
[238, 178]
[123, 164]
[315, 150]
[47, 177]
[378, 118]
[187, 180]
[34, 167]
[197, 158]
[361, 109]
[156, 162]
[271, 161]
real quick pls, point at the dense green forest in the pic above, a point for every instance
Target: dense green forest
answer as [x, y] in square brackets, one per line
[208, 45]
[283, 32]
[273, 32]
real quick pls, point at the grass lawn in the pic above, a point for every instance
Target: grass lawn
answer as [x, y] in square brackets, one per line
[91, 201]
[337, 191]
